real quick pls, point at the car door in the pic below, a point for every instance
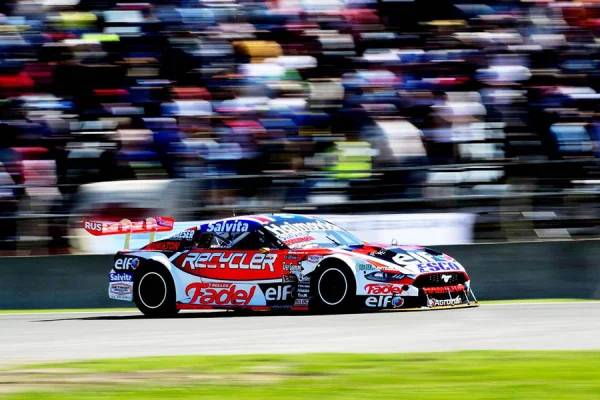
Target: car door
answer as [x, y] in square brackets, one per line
[232, 273]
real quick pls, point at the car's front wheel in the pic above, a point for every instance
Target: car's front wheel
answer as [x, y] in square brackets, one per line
[154, 292]
[333, 289]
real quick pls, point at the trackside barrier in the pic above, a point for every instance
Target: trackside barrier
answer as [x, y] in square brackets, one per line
[561, 269]
[55, 282]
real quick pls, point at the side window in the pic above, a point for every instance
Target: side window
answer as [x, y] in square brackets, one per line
[247, 241]
[210, 241]
[204, 241]
[253, 241]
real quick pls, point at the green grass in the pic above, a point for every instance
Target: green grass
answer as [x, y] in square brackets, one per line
[425, 376]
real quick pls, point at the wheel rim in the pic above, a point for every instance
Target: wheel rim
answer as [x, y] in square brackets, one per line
[332, 287]
[154, 290]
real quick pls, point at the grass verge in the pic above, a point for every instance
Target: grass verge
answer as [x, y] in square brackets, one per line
[428, 376]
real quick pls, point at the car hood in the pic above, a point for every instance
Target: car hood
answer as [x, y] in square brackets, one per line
[405, 259]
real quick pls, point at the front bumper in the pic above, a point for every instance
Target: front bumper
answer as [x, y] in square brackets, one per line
[423, 300]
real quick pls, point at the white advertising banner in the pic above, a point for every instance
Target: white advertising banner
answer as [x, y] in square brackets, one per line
[417, 229]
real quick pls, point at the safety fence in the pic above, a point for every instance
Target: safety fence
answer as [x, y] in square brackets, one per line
[512, 200]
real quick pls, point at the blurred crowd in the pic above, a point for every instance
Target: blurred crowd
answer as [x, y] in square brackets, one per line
[102, 90]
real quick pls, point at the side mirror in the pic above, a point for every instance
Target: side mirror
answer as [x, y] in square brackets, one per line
[264, 250]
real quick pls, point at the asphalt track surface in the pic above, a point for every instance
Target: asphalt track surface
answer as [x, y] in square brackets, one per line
[33, 338]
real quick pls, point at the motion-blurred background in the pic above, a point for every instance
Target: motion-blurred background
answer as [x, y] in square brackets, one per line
[468, 121]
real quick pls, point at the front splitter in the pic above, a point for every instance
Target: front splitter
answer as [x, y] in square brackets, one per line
[425, 308]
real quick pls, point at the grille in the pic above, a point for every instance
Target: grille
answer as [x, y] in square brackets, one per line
[437, 280]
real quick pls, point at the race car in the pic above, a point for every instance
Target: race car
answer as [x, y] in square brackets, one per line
[278, 262]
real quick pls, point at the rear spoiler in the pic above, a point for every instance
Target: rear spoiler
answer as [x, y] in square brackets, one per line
[127, 227]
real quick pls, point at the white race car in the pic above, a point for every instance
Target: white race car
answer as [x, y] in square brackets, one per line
[278, 262]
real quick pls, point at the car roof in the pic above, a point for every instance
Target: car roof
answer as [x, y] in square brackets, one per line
[249, 223]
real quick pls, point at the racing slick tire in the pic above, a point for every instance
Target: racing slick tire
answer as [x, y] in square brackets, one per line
[333, 289]
[154, 292]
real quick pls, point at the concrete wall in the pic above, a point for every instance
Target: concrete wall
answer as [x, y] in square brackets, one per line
[569, 269]
[55, 282]
[566, 269]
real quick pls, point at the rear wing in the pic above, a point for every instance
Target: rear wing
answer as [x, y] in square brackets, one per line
[127, 227]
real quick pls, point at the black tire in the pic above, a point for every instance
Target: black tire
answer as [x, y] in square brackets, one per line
[333, 289]
[154, 292]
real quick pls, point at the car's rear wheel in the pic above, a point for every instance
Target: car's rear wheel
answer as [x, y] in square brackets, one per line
[154, 292]
[333, 289]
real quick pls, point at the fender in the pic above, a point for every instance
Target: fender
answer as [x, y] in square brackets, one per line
[340, 257]
[161, 259]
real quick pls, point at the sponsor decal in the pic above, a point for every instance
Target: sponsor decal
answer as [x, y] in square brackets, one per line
[279, 293]
[292, 267]
[365, 267]
[280, 306]
[422, 258]
[439, 266]
[414, 257]
[444, 289]
[293, 235]
[314, 259]
[203, 293]
[410, 259]
[297, 240]
[281, 230]
[187, 235]
[235, 226]
[380, 252]
[163, 246]
[384, 302]
[167, 222]
[301, 302]
[397, 302]
[235, 260]
[94, 226]
[121, 288]
[303, 290]
[219, 285]
[290, 278]
[292, 257]
[374, 288]
[121, 277]
[124, 264]
[302, 295]
[446, 302]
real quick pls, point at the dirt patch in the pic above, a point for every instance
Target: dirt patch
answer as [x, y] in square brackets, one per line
[65, 379]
